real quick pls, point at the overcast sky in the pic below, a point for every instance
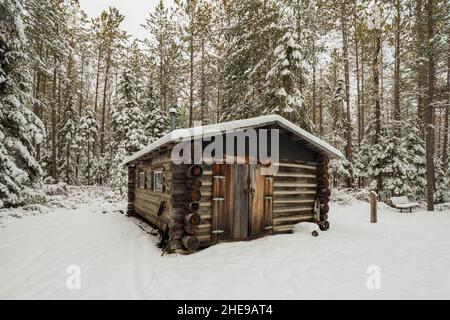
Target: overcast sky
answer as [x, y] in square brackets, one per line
[135, 11]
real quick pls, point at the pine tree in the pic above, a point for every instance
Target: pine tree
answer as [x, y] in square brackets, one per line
[157, 125]
[165, 50]
[253, 26]
[20, 129]
[118, 178]
[128, 118]
[413, 147]
[111, 38]
[68, 134]
[156, 121]
[442, 182]
[284, 96]
[86, 140]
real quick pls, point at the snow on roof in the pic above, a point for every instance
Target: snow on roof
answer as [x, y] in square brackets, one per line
[199, 132]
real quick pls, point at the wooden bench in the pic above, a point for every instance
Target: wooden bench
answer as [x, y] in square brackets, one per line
[403, 203]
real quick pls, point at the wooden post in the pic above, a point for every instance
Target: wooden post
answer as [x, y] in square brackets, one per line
[373, 207]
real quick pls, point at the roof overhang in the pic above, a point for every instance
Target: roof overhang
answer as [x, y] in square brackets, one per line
[180, 135]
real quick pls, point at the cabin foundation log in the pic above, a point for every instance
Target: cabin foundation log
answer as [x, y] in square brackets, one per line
[323, 188]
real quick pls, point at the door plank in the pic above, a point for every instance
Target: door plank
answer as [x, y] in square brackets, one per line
[258, 221]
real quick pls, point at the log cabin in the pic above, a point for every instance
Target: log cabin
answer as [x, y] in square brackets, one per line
[228, 196]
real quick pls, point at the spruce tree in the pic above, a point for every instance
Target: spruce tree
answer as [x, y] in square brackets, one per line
[86, 141]
[284, 96]
[68, 134]
[20, 129]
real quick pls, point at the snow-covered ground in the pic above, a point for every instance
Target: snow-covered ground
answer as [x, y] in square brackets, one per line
[118, 259]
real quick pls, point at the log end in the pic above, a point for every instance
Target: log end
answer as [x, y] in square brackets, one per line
[191, 243]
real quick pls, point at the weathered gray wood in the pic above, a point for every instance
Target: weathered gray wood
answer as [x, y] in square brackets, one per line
[242, 201]
[194, 171]
[373, 207]
[294, 185]
[191, 243]
[293, 192]
[193, 195]
[280, 201]
[194, 184]
[295, 175]
[191, 229]
[193, 218]
[298, 166]
[193, 206]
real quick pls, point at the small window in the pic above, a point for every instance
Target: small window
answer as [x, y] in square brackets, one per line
[158, 181]
[141, 180]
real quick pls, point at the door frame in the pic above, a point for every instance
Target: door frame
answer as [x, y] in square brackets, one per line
[241, 204]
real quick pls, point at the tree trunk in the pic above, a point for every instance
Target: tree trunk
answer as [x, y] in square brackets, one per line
[376, 88]
[80, 97]
[97, 81]
[445, 143]
[420, 68]
[363, 97]
[397, 109]
[203, 89]
[314, 99]
[191, 76]
[105, 95]
[349, 149]
[37, 110]
[162, 85]
[321, 108]
[358, 84]
[429, 111]
[54, 170]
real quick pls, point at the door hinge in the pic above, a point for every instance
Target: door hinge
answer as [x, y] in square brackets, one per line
[218, 231]
[268, 228]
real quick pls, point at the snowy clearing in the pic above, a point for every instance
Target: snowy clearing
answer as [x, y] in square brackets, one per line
[118, 260]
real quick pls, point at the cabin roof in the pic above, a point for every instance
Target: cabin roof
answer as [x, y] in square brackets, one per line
[198, 132]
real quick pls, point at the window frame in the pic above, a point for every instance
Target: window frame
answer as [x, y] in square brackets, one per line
[158, 173]
[142, 177]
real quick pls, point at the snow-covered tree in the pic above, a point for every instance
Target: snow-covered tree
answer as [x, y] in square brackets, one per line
[442, 182]
[164, 47]
[284, 95]
[118, 179]
[413, 149]
[86, 141]
[247, 57]
[157, 125]
[128, 118]
[68, 134]
[20, 129]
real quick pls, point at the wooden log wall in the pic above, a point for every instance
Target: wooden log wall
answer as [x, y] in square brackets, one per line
[147, 201]
[191, 220]
[219, 180]
[131, 189]
[269, 202]
[295, 192]
[323, 191]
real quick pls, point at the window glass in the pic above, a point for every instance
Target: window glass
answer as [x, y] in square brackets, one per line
[158, 181]
[141, 180]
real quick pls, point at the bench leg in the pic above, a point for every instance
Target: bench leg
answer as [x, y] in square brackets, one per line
[401, 210]
[410, 210]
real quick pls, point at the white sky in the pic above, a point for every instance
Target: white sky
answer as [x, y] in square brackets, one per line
[135, 12]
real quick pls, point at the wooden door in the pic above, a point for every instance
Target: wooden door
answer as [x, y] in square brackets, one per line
[239, 209]
[259, 201]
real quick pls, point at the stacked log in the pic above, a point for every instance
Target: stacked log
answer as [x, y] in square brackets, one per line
[323, 191]
[192, 219]
[131, 189]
